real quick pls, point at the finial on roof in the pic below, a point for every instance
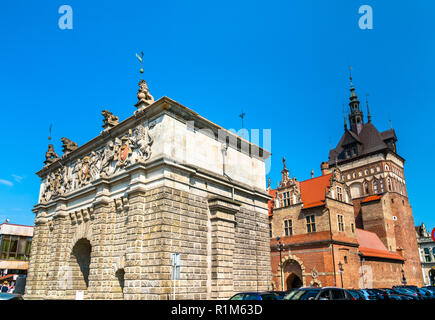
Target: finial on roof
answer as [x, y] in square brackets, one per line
[68, 146]
[283, 162]
[369, 117]
[352, 88]
[50, 155]
[344, 117]
[143, 95]
[312, 173]
[109, 120]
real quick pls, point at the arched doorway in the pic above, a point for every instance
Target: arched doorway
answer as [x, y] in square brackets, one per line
[292, 272]
[80, 261]
[120, 273]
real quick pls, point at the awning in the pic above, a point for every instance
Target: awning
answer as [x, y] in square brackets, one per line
[7, 277]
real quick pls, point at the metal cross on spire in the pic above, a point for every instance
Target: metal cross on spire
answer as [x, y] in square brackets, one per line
[49, 135]
[369, 117]
[242, 115]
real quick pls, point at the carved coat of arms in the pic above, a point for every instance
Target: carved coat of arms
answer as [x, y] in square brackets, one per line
[123, 152]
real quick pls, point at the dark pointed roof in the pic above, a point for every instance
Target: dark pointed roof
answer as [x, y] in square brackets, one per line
[369, 139]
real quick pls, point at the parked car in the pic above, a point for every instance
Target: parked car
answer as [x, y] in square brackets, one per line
[254, 296]
[431, 288]
[10, 296]
[302, 294]
[422, 294]
[281, 294]
[406, 292]
[326, 293]
[380, 295]
[392, 295]
[426, 294]
[356, 294]
[368, 295]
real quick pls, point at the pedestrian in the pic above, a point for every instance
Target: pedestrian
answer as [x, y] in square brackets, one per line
[5, 287]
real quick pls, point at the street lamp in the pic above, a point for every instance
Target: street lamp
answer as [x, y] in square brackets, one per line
[280, 248]
[340, 268]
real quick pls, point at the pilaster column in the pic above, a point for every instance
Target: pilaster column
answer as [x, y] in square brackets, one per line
[222, 218]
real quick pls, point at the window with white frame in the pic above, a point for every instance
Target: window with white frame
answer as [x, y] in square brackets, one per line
[288, 227]
[311, 223]
[340, 222]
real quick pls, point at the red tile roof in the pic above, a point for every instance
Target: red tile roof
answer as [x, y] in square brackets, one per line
[371, 246]
[313, 190]
[372, 198]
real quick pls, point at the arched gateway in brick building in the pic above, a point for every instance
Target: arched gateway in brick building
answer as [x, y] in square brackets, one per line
[292, 271]
[112, 213]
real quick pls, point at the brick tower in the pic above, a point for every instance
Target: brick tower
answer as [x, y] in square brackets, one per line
[374, 172]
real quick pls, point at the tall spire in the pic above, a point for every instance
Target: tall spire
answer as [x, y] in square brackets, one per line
[356, 115]
[344, 118]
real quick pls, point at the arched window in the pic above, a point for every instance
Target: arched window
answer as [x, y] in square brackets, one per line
[387, 168]
[382, 185]
[389, 186]
[366, 187]
[375, 186]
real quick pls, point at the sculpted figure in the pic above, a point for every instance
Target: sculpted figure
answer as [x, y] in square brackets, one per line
[108, 155]
[76, 173]
[143, 143]
[93, 165]
[143, 94]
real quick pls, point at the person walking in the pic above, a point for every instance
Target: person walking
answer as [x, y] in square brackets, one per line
[5, 287]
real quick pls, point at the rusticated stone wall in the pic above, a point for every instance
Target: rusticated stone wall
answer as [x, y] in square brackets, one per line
[223, 246]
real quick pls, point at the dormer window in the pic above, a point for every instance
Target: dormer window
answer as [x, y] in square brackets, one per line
[355, 151]
[286, 198]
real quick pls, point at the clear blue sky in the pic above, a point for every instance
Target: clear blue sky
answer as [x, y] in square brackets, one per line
[285, 63]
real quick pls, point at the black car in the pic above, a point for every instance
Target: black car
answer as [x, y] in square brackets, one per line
[327, 293]
[367, 295]
[390, 294]
[356, 294]
[280, 294]
[254, 296]
[302, 294]
[431, 288]
[425, 294]
[404, 291]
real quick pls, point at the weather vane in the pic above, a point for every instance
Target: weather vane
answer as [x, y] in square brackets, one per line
[140, 58]
[49, 135]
